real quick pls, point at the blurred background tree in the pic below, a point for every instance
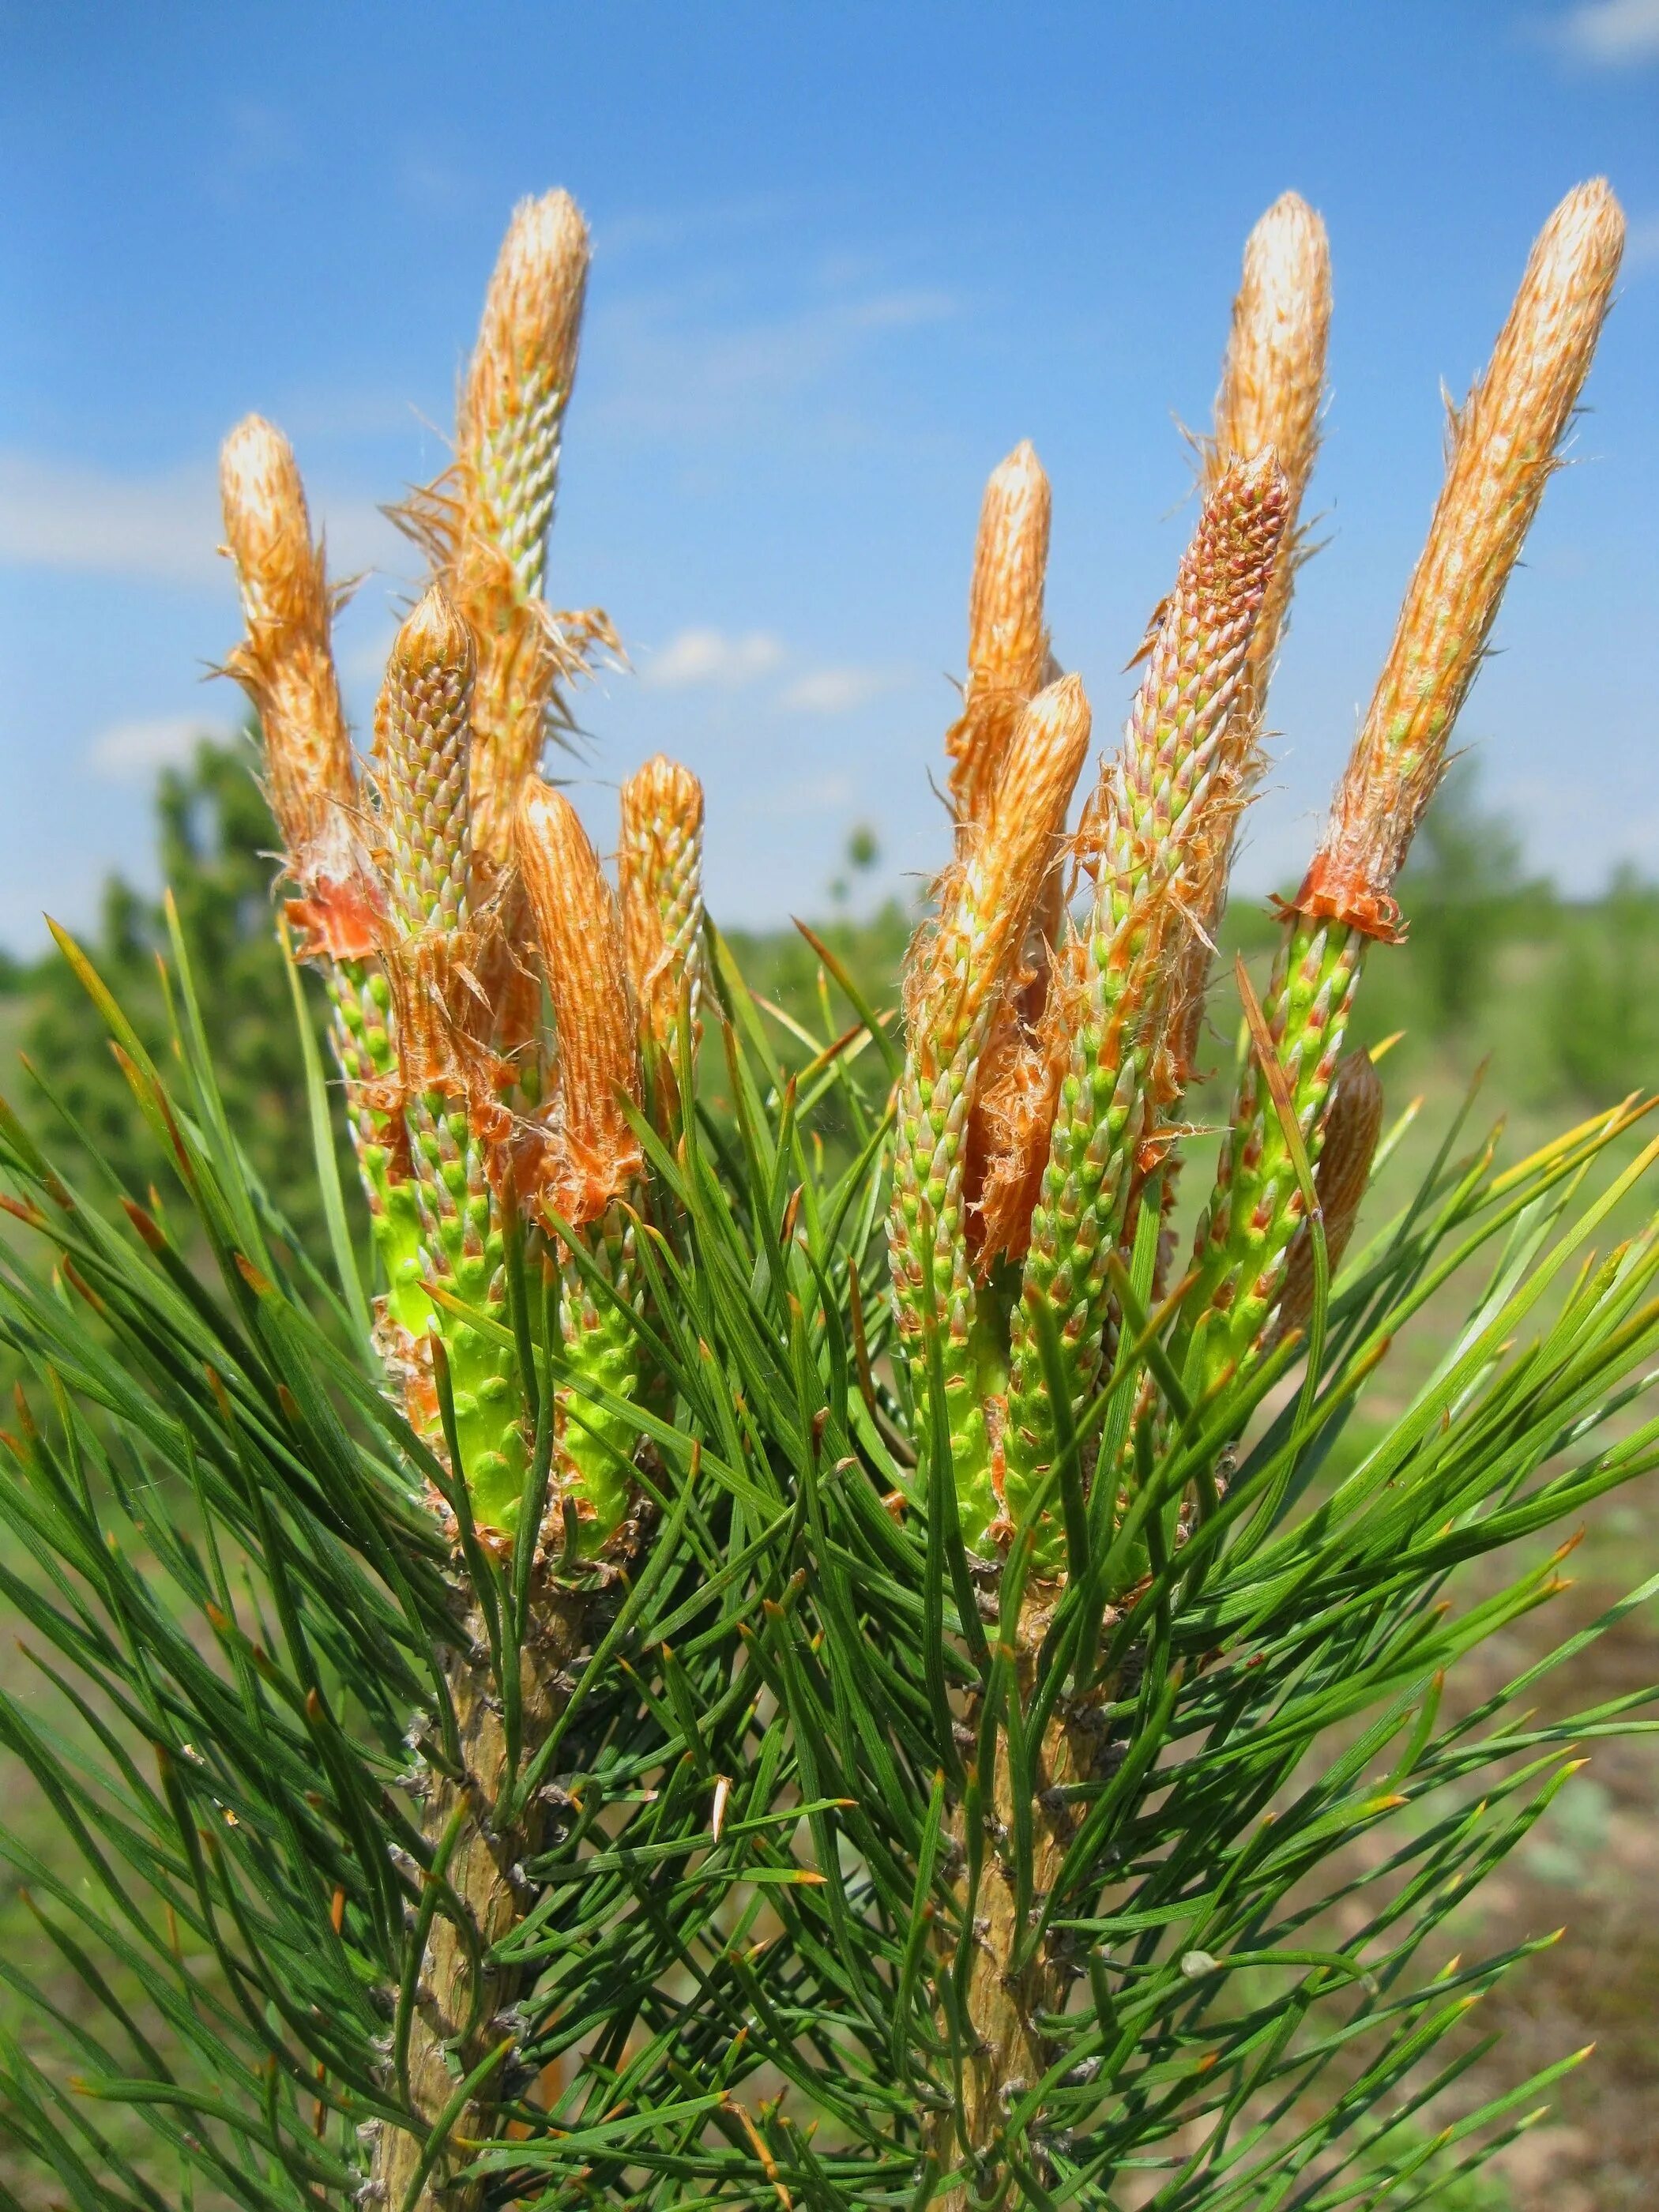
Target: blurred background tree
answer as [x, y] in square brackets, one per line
[862, 852]
[1465, 896]
[1560, 996]
[213, 836]
[1601, 1024]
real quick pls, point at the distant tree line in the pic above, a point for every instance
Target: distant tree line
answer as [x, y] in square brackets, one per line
[1561, 996]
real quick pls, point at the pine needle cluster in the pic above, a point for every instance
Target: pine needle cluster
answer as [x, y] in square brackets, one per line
[767, 1641]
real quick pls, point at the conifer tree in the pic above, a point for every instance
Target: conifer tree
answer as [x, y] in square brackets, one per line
[711, 1666]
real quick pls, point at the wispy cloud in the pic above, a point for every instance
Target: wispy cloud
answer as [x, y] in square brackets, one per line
[1609, 33]
[708, 657]
[792, 801]
[746, 306]
[435, 185]
[59, 515]
[1642, 243]
[717, 660]
[839, 690]
[669, 229]
[133, 752]
[678, 366]
[256, 140]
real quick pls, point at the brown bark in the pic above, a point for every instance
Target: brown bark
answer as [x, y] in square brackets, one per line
[457, 2017]
[1008, 2051]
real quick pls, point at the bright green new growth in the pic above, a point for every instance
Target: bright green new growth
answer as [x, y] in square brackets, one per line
[422, 748]
[1157, 830]
[365, 1053]
[1258, 1205]
[588, 1180]
[597, 1421]
[954, 984]
[604, 1737]
[935, 1301]
[464, 1251]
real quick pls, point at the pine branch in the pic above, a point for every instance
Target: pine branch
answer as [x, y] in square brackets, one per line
[674, 1715]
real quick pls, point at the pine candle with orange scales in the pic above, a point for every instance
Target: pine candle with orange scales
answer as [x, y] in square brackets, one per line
[958, 967]
[285, 663]
[584, 1188]
[659, 868]
[1154, 843]
[1503, 448]
[484, 524]
[1009, 658]
[1270, 398]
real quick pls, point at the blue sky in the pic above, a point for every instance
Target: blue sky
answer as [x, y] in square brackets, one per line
[845, 258]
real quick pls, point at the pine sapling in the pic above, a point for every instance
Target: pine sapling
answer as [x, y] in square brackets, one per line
[674, 1715]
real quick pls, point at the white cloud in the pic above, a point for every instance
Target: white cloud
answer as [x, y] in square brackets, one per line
[710, 657]
[58, 514]
[1642, 243]
[434, 186]
[900, 310]
[1611, 34]
[680, 369]
[130, 752]
[838, 690]
[160, 529]
[717, 660]
[795, 801]
[659, 230]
